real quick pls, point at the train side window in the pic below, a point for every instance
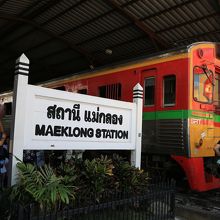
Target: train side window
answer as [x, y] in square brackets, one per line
[82, 91]
[61, 88]
[112, 91]
[149, 91]
[169, 90]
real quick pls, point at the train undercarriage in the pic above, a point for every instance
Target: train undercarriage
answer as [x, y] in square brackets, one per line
[199, 174]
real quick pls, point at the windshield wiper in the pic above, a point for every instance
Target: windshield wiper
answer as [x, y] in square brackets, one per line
[207, 71]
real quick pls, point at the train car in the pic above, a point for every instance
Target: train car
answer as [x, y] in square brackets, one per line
[181, 108]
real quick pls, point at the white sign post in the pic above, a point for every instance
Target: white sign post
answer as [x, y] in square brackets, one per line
[47, 119]
[18, 113]
[138, 99]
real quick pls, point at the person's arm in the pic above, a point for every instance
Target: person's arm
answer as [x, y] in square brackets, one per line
[3, 135]
[1, 127]
[2, 140]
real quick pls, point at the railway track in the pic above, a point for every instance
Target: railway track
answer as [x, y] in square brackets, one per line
[206, 204]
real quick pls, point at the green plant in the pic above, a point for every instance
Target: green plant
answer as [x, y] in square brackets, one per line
[97, 174]
[42, 185]
[69, 173]
[77, 178]
[128, 177]
[93, 177]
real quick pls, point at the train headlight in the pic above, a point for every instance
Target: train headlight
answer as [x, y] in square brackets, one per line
[200, 143]
[217, 149]
[200, 53]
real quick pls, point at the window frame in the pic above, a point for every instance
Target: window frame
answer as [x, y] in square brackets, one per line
[213, 87]
[81, 91]
[112, 91]
[163, 90]
[150, 77]
[217, 83]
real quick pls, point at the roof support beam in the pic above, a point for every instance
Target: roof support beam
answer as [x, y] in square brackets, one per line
[189, 22]
[158, 42]
[168, 9]
[122, 44]
[12, 26]
[39, 10]
[104, 34]
[60, 14]
[57, 16]
[199, 35]
[86, 22]
[44, 8]
[47, 32]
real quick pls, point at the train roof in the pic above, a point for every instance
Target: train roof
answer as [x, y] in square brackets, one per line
[153, 56]
[167, 53]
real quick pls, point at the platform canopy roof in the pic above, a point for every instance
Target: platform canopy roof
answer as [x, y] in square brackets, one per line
[63, 37]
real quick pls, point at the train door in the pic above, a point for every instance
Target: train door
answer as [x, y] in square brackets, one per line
[148, 81]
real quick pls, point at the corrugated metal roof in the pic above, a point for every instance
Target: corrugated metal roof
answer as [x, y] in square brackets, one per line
[61, 37]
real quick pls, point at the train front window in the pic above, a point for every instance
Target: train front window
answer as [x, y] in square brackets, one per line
[169, 90]
[149, 91]
[203, 84]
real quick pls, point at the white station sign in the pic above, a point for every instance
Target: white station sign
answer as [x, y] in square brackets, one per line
[48, 119]
[63, 120]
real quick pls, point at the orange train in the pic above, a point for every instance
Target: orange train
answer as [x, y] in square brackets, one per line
[181, 108]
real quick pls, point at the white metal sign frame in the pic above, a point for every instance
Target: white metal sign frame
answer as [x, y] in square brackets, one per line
[82, 123]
